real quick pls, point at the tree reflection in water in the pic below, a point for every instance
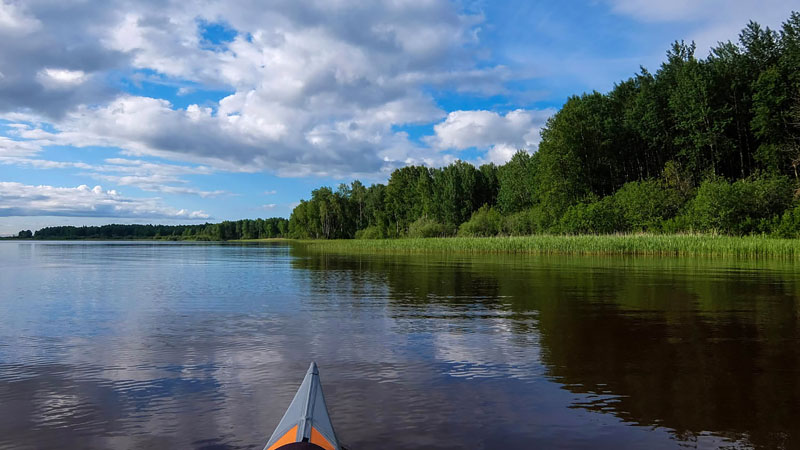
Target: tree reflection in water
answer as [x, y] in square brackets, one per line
[692, 346]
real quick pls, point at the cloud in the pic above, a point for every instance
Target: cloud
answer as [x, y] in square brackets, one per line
[13, 148]
[689, 10]
[145, 175]
[246, 136]
[12, 18]
[310, 94]
[502, 153]
[269, 206]
[270, 192]
[501, 134]
[50, 49]
[713, 20]
[156, 183]
[293, 44]
[60, 78]
[153, 177]
[17, 199]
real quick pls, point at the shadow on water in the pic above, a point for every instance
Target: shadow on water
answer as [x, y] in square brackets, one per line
[693, 346]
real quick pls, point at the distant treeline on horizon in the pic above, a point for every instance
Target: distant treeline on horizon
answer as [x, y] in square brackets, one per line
[701, 145]
[275, 227]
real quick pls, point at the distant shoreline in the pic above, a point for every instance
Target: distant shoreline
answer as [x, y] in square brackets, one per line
[144, 239]
[131, 238]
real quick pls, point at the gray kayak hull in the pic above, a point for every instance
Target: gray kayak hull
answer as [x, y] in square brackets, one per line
[306, 419]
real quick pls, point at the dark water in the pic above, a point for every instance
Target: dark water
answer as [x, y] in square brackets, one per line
[202, 346]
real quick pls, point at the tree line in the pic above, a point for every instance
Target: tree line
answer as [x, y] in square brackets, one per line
[276, 227]
[703, 144]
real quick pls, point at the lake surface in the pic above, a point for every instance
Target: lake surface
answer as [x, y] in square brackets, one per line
[176, 345]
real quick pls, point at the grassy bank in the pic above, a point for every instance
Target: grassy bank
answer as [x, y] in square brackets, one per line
[673, 245]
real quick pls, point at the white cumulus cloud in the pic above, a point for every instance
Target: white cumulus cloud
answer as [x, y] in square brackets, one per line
[14, 148]
[17, 199]
[501, 134]
[60, 78]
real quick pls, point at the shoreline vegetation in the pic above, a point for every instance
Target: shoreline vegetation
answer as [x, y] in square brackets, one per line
[701, 157]
[631, 244]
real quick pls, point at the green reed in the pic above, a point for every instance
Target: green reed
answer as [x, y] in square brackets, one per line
[623, 244]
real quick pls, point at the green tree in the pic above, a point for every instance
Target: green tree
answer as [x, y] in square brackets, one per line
[358, 198]
[516, 181]
[456, 192]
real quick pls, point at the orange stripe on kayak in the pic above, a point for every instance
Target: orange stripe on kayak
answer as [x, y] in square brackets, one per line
[318, 439]
[288, 438]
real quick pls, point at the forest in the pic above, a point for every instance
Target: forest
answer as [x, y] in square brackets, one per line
[703, 145]
[275, 227]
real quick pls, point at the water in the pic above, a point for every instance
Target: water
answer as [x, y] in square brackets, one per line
[163, 345]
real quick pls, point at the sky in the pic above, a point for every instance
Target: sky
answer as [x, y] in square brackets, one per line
[193, 111]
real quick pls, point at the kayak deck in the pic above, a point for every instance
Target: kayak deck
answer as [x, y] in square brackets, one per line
[306, 419]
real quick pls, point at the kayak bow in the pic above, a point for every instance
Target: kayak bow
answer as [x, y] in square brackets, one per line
[306, 420]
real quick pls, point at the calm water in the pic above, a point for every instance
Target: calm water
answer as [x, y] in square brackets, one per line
[157, 345]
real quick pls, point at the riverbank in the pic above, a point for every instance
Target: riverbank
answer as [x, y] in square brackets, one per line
[116, 238]
[620, 244]
[640, 244]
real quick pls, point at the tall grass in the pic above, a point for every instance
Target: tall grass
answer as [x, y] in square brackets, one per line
[623, 244]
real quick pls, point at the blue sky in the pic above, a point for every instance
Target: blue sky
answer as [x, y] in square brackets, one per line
[192, 111]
